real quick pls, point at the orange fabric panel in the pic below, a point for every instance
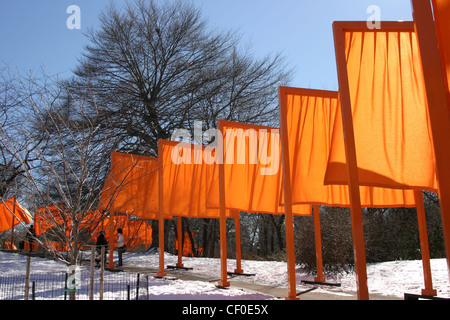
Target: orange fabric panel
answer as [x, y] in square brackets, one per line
[56, 246]
[9, 206]
[442, 19]
[35, 246]
[186, 180]
[8, 246]
[91, 219]
[187, 245]
[139, 232]
[131, 186]
[311, 116]
[388, 103]
[47, 218]
[135, 231]
[252, 170]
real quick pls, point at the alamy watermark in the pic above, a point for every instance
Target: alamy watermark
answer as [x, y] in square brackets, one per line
[374, 20]
[242, 146]
[74, 20]
[73, 281]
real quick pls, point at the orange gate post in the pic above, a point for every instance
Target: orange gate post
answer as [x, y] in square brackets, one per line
[180, 242]
[237, 235]
[352, 168]
[12, 230]
[290, 255]
[317, 235]
[290, 251]
[161, 273]
[223, 220]
[438, 106]
[428, 291]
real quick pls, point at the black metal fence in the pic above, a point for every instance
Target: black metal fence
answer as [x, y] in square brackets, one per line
[58, 285]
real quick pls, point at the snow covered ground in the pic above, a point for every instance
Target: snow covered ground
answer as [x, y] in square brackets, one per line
[388, 278]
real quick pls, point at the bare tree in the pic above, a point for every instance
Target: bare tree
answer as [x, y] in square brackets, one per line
[11, 100]
[64, 170]
[337, 245]
[152, 68]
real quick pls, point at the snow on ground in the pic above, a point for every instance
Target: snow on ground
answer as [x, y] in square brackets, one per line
[388, 278]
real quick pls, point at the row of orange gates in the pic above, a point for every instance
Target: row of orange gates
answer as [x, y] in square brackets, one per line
[136, 231]
[379, 141]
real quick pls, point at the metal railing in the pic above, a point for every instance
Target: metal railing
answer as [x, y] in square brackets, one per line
[57, 286]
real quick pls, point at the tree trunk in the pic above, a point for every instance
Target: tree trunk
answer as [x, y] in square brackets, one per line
[278, 226]
[211, 242]
[155, 234]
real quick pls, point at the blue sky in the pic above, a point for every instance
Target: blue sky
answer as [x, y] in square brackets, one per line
[34, 34]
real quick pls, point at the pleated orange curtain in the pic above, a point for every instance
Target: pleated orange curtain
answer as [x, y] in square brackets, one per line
[312, 119]
[184, 179]
[49, 217]
[111, 223]
[252, 170]
[131, 186]
[187, 179]
[135, 231]
[131, 232]
[11, 208]
[187, 245]
[384, 78]
[91, 219]
[140, 232]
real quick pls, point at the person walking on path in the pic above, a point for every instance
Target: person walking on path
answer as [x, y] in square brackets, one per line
[31, 235]
[120, 245]
[101, 242]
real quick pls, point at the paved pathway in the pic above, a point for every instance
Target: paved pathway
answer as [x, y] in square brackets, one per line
[236, 283]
